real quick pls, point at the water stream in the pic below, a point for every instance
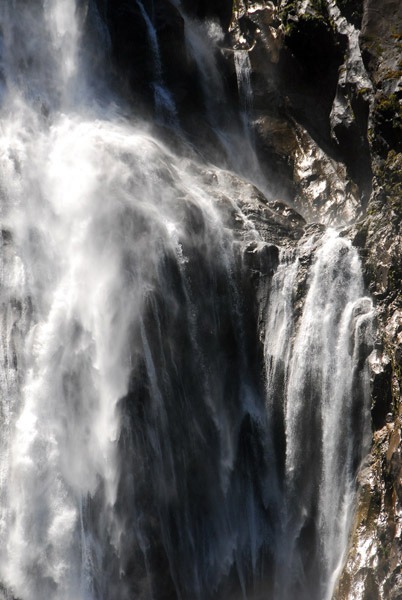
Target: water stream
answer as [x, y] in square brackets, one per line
[243, 74]
[318, 394]
[165, 109]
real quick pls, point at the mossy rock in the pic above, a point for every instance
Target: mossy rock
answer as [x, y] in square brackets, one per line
[388, 107]
[389, 177]
[387, 119]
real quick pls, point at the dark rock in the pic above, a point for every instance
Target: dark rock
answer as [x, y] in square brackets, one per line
[352, 10]
[381, 397]
[387, 124]
[380, 40]
[261, 258]
[308, 70]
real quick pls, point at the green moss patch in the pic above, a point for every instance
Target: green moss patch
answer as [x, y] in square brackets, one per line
[387, 119]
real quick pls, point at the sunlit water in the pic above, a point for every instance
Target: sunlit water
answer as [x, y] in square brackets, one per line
[317, 386]
[143, 454]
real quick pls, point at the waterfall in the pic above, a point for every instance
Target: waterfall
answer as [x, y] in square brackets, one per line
[165, 109]
[318, 395]
[204, 43]
[174, 423]
[243, 74]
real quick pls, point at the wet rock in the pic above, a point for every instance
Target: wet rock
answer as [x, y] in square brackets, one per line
[321, 189]
[251, 215]
[304, 122]
[379, 235]
[261, 258]
[324, 192]
[381, 398]
[350, 110]
[256, 23]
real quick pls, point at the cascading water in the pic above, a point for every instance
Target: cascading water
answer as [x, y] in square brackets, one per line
[143, 455]
[165, 110]
[319, 393]
[243, 74]
[204, 41]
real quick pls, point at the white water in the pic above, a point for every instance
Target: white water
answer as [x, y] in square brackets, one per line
[136, 441]
[325, 404]
[243, 74]
[68, 193]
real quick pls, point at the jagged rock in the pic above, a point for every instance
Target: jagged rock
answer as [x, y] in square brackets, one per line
[321, 188]
[313, 52]
[350, 110]
[291, 129]
[251, 215]
[261, 258]
[372, 569]
[254, 24]
[324, 192]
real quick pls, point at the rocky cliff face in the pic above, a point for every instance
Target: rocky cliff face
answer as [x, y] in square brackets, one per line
[326, 121]
[350, 58]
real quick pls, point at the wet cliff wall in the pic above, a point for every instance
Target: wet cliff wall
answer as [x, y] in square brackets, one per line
[326, 118]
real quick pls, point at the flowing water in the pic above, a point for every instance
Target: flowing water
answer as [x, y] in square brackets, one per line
[155, 444]
[317, 389]
[243, 74]
[204, 40]
[165, 110]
